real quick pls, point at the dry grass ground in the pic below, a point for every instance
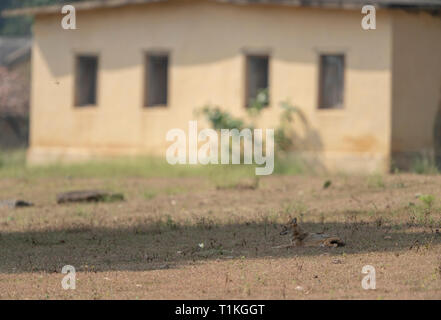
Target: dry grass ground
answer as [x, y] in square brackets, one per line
[182, 238]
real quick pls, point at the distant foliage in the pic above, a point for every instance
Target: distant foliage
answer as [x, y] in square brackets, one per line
[21, 26]
[14, 93]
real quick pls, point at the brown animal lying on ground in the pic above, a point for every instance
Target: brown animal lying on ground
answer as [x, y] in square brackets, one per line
[299, 238]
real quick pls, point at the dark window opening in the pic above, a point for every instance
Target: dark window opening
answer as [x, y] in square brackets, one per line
[331, 81]
[257, 80]
[156, 89]
[86, 80]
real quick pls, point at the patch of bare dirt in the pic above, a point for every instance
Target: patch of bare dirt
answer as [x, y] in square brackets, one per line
[184, 238]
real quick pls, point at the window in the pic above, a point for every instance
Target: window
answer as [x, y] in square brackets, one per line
[156, 82]
[331, 81]
[257, 79]
[86, 80]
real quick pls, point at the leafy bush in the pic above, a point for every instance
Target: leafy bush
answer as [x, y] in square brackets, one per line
[421, 214]
[221, 119]
[256, 105]
[427, 200]
[283, 135]
[424, 165]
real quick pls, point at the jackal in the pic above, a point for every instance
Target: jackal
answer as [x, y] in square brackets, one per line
[298, 237]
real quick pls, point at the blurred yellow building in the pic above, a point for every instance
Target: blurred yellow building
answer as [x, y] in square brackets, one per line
[132, 70]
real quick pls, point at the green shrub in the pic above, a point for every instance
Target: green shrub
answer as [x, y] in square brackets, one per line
[424, 165]
[427, 200]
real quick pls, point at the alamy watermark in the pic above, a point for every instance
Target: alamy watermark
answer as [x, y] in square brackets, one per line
[369, 281]
[369, 21]
[69, 280]
[251, 140]
[69, 21]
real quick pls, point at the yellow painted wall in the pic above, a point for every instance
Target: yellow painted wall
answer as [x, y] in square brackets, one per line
[207, 42]
[416, 84]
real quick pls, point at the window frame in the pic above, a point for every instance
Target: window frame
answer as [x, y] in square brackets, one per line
[77, 57]
[146, 66]
[261, 54]
[320, 95]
